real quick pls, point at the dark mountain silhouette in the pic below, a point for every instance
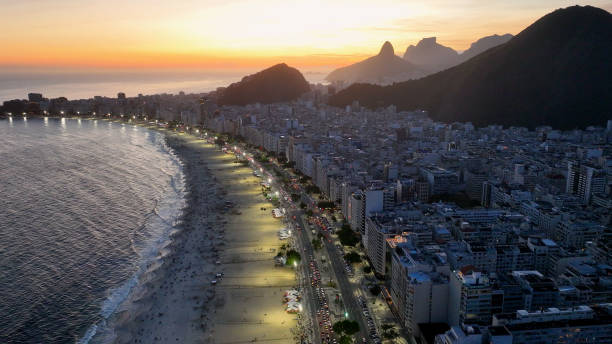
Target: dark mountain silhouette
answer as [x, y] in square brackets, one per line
[434, 57]
[384, 68]
[555, 72]
[279, 83]
[430, 55]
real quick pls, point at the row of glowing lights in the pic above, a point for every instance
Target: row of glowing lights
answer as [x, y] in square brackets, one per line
[10, 114]
[260, 169]
[243, 154]
[269, 182]
[63, 118]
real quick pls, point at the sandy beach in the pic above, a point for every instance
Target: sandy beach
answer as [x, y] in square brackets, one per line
[176, 302]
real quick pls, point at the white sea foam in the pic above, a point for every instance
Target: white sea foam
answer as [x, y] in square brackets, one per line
[105, 204]
[157, 228]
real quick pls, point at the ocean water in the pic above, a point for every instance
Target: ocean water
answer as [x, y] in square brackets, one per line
[16, 84]
[85, 207]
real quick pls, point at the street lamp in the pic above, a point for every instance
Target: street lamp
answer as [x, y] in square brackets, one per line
[269, 180]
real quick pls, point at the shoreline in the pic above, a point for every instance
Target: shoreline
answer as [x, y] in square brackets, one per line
[174, 300]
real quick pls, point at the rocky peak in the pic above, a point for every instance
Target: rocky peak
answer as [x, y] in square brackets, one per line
[427, 42]
[387, 50]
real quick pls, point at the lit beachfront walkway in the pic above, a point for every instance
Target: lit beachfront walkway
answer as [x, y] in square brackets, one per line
[248, 303]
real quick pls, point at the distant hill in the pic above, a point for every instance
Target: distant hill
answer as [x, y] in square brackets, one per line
[279, 83]
[384, 68]
[434, 57]
[483, 45]
[430, 55]
[555, 72]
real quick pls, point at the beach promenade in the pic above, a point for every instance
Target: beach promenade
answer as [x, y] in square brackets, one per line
[248, 302]
[176, 302]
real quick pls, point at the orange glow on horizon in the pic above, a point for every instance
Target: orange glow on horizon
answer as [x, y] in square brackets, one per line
[245, 33]
[157, 60]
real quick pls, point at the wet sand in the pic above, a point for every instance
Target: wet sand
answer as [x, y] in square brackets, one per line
[176, 303]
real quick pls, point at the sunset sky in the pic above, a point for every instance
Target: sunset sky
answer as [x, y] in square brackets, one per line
[244, 33]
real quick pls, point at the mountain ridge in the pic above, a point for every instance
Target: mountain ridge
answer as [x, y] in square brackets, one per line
[554, 72]
[434, 57]
[483, 44]
[385, 67]
[429, 54]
